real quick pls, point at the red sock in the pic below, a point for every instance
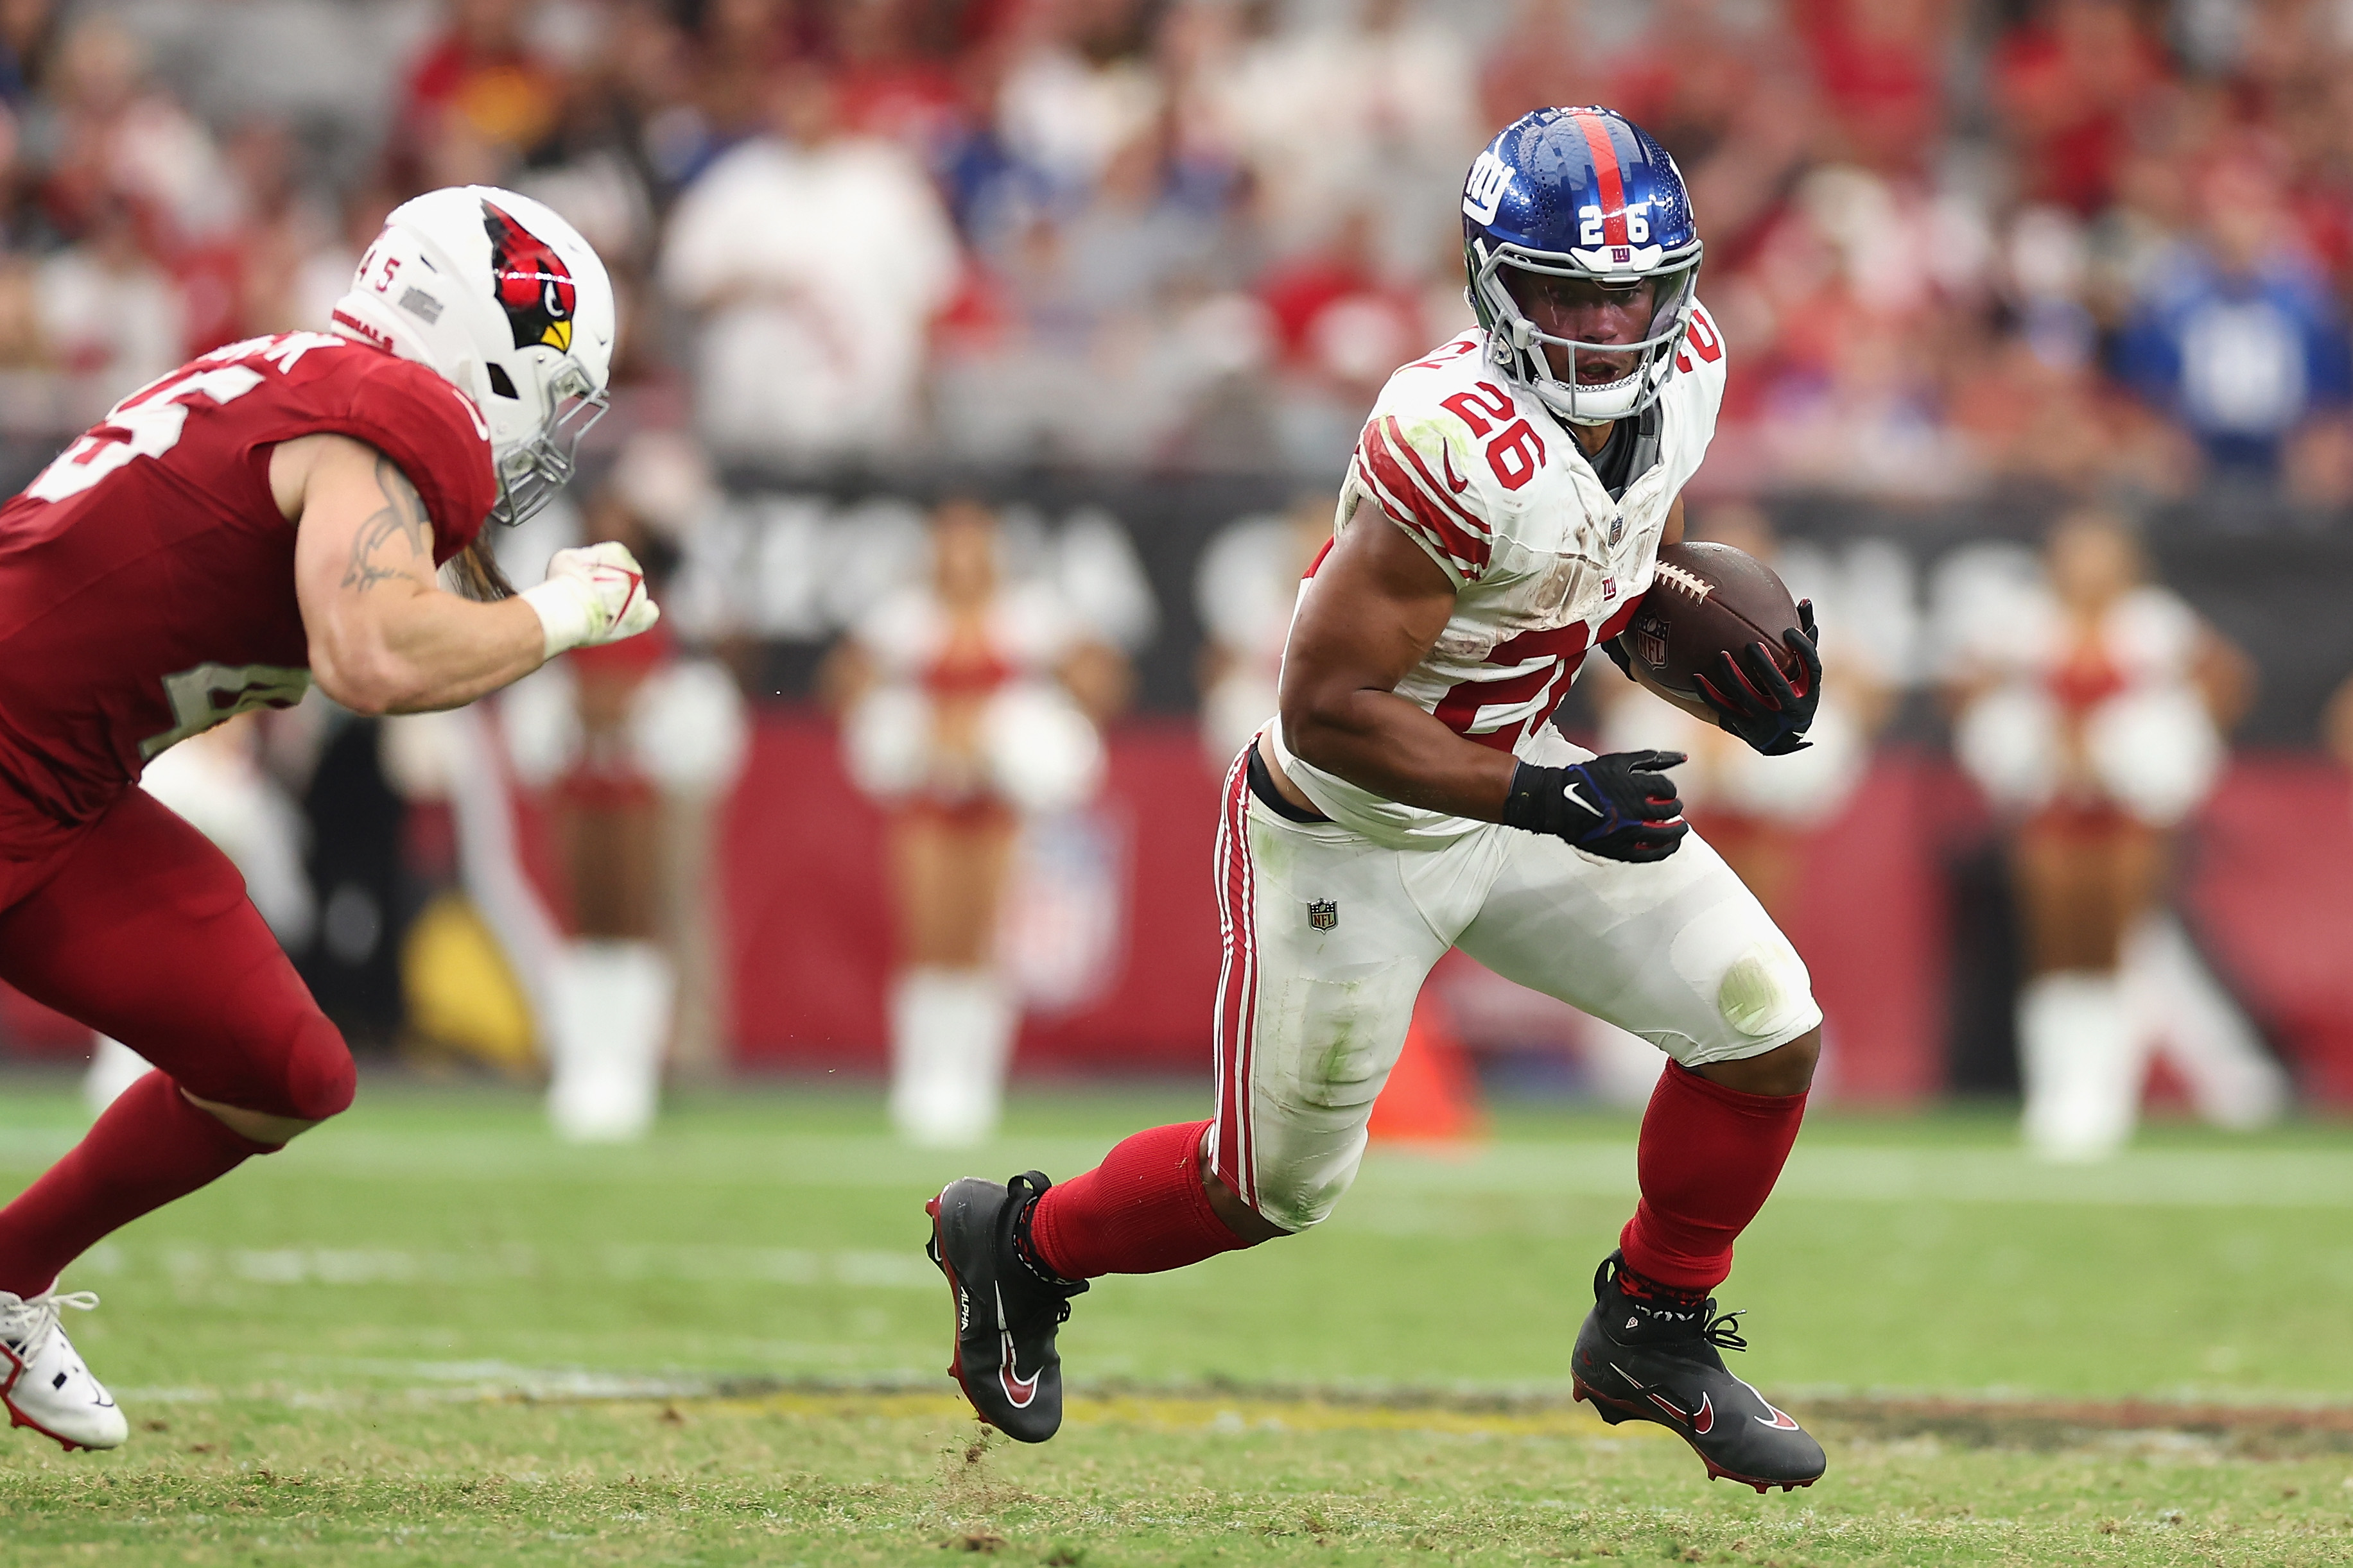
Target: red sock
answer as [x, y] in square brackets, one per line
[1142, 1211]
[149, 1147]
[1708, 1157]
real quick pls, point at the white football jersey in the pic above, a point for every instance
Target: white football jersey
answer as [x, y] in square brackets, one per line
[1479, 473]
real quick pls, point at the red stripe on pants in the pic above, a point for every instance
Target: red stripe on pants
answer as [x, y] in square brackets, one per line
[1236, 1018]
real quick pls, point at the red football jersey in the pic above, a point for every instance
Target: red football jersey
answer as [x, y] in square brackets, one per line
[147, 578]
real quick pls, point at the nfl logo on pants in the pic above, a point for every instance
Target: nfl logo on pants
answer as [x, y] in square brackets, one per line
[1324, 914]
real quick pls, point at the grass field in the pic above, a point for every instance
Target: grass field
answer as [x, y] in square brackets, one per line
[428, 1335]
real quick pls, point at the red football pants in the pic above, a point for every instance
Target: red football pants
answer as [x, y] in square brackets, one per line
[138, 927]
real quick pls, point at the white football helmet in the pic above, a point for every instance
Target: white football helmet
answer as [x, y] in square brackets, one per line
[505, 299]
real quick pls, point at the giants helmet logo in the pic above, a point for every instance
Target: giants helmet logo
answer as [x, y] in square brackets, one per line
[533, 285]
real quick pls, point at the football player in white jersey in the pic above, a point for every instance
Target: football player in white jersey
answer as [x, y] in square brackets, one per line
[1502, 515]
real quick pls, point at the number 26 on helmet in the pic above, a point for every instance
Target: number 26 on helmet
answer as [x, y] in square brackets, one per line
[1580, 194]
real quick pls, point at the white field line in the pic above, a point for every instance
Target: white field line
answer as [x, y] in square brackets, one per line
[1892, 1172]
[854, 1268]
[2190, 1419]
[728, 1159]
[2183, 1178]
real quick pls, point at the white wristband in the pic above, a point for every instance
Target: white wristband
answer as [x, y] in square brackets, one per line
[566, 617]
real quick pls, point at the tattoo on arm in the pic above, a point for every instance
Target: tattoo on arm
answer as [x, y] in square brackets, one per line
[403, 521]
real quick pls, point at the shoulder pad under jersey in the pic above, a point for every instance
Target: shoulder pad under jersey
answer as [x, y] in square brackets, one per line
[1448, 451]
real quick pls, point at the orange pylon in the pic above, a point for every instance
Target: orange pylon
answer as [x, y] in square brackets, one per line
[1433, 1096]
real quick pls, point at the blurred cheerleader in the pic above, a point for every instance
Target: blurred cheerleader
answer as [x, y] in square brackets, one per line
[632, 753]
[966, 704]
[2092, 710]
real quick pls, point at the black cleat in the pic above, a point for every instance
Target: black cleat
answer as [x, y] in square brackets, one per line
[1648, 1359]
[1006, 1307]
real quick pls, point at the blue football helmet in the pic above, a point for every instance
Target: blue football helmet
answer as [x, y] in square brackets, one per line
[1580, 193]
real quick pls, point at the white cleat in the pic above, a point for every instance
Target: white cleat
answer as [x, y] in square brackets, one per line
[47, 1387]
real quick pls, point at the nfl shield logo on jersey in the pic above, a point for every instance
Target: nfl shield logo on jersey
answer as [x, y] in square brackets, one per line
[1324, 913]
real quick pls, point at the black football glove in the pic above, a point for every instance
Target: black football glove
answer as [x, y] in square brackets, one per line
[1754, 700]
[1621, 806]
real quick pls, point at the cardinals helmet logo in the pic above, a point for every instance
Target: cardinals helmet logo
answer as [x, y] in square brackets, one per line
[532, 283]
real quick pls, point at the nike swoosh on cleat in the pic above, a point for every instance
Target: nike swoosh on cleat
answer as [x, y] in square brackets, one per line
[1704, 1421]
[1018, 1389]
[1773, 1417]
[1021, 1390]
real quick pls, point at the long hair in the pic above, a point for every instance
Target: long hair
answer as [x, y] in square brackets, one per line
[473, 573]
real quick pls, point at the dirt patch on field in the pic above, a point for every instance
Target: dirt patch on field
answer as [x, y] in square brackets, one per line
[2255, 1431]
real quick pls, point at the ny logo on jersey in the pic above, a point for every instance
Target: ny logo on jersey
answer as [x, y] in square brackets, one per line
[1324, 914]
[1483, 192]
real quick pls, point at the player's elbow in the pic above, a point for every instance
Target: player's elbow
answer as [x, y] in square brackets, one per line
[365, 679]
[1316, 718]
[370, 698]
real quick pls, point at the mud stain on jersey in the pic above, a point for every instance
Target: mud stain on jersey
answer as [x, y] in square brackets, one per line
[1342, 1026]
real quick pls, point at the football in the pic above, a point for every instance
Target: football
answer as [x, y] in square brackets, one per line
[1706, 600]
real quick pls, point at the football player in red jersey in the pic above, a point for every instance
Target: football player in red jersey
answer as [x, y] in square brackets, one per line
[285, 509]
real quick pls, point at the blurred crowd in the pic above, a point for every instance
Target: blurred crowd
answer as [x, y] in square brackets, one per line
[2090, 243]
[2093, 252]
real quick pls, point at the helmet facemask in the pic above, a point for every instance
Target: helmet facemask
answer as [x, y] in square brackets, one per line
[1519, 346]
[532, 472]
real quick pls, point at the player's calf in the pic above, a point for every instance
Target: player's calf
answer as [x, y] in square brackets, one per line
[47, 1386]
[1648, 1353]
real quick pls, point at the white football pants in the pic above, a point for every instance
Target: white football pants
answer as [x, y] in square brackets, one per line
[1328, 937]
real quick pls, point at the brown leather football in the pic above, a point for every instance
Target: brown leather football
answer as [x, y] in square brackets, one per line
[1706, 600]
